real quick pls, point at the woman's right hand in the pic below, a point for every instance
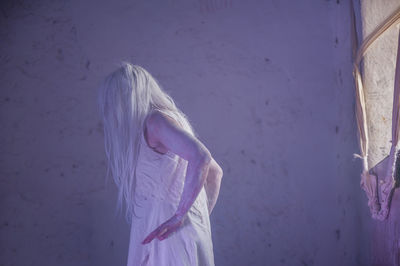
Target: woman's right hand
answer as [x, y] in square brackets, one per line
[165, 229]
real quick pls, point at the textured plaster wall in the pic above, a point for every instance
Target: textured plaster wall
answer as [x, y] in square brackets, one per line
[267, 84]
[379, 66]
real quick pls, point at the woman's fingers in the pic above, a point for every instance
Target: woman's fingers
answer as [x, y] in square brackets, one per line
[164, 230]
[155, 233]
[170, 230]
[151, 236]
[148, 239]
[165, 234]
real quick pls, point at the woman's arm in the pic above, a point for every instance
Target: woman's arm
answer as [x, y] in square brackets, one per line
[213, 184]
[164, 131]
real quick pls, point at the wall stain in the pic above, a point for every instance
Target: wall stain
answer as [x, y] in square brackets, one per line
[214, 5]
[340, 77]
[337, 232]
[60, 55]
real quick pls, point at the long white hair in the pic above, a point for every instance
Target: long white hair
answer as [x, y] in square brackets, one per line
[125, 98]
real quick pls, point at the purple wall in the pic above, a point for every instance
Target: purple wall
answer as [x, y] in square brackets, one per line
[267, 84]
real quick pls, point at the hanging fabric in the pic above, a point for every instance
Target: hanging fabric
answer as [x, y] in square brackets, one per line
[378, 182]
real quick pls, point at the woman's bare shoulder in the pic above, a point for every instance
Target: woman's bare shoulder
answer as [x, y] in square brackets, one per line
[157, 118]
[157, 123]
[166, 132]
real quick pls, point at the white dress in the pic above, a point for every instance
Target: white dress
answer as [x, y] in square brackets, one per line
[159, 184]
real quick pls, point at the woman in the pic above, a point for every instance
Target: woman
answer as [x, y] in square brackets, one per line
[166, 177]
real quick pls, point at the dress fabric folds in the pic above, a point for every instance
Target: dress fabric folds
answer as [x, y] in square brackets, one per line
[159, 184]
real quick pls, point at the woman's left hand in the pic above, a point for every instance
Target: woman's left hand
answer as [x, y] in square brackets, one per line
[165, 229]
